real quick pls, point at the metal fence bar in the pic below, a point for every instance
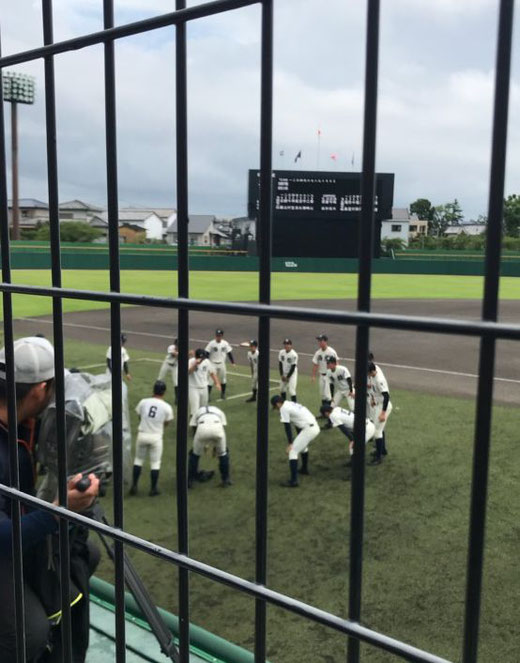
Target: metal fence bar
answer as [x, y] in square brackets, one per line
[246, 586]
[264, 322]
[484, 404]
[14, 472]
[57, 314]
[382, 321]
[368, 182]
[129, 29]
[181, 109]
[115, 326]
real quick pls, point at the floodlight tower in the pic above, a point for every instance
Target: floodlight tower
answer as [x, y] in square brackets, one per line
[18, 89]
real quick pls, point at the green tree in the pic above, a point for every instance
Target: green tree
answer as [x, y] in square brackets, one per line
[446, 215]
[70, 231]
[512, 216]
[423, 208]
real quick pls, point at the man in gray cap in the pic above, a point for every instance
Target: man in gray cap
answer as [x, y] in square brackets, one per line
[34, 381]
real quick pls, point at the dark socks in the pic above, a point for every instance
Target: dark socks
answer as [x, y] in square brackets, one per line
[384, 451]
[176, 395]
[154, 477]
[223, 466]
[379, 447]
[293, 466]
[209, 391]
[293, 398]
[136, 474]
[305, 463]
[223, 392]
[193, 466]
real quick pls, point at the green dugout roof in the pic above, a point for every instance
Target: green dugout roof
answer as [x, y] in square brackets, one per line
[141, 643]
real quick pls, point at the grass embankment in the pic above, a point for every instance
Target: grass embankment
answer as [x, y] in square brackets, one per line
[416, 527]
[243, 286]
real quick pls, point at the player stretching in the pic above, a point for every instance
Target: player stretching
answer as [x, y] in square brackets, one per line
[209, 422]
[307, 428]
[154, 414]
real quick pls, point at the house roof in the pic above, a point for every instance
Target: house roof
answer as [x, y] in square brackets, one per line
[400, 214]
[198, 223]
[29, 202]
[80, 206]
[133, 216]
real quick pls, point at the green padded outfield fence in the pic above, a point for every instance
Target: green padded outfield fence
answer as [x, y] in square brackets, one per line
[159, 258]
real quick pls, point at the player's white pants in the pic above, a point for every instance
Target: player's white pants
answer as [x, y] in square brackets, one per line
[221, 371]
[148, 444]
[289, 387]
[370, 430]
[303, 439]
[210, 433]
[254, 380]
[374, 413]
[339, 396]
[324, 387]
[198, 397]
[168, 369]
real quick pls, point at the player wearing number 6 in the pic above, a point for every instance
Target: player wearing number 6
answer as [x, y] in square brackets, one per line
[154, 414]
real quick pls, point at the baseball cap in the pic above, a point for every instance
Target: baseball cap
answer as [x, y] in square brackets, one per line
[159, 388]
[331, 359]
[123, 338]
[326, 408]
[287, 341]
[33, 360]
[200, 353]
[254, 342]
[219, 332]
[322, 337]
[276, 399]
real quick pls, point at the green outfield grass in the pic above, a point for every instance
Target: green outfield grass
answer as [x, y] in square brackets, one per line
[243, 286]
[416, 526]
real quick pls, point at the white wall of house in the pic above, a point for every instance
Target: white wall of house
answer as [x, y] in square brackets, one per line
[153, 226]
[395, 229]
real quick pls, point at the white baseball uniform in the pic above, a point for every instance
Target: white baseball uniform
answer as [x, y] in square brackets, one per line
[288, 360]
[218, 354]
[170, 365]
[198, 383]
[341, 417]
[319, 361]
[210, 422]
[376, 386]
[252, 358]
[124, 357]
[338, 378]
[153, 413]
[298, 415]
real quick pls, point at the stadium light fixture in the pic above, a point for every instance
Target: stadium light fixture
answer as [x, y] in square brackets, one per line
[17, 89]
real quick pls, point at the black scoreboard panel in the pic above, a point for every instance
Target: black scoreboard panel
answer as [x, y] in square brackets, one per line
[317, 214]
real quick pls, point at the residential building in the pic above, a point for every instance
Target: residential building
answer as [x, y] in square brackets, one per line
[398, 227]
[203, 230]
[32, 212]
[77, 210]
[418, 227]
[466, 228]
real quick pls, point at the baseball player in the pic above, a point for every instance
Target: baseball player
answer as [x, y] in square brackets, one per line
[319, 364]
[218, 351]
[125, 358]
[340, 378]
[288, 367]
[344, 421]
[307, 429]
[200, 370]
[154, 414]
[170, 365]
[379, 407]
[209, 423]
[252, 358]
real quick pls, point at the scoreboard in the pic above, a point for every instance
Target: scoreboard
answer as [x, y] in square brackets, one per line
[317, 213]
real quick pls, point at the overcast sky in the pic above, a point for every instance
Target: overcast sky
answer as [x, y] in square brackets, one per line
[434, 116]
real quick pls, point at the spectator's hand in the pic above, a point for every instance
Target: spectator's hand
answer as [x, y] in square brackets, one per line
[80, 501]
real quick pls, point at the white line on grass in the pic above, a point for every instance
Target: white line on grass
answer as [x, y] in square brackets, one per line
[305, 354]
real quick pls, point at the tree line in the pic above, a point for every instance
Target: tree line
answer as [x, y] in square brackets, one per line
[439, 217]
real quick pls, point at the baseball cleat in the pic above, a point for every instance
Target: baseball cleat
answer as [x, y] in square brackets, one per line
[376, 461]
[225, 482]
[303, 471]
[153, 492]
[204, 475]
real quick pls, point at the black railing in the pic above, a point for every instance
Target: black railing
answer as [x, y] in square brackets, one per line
[488, 330]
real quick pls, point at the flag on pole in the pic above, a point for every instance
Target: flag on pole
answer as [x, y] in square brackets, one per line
[298, 156]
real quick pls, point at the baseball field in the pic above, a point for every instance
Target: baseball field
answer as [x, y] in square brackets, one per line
[417, 501]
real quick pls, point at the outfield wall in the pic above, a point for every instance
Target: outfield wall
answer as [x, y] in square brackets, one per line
[157, 260]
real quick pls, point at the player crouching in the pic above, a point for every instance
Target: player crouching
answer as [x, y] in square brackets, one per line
[344, 421]
[209, 422]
